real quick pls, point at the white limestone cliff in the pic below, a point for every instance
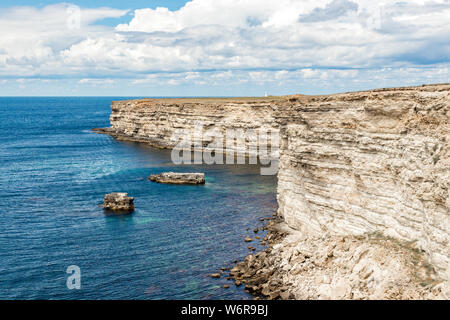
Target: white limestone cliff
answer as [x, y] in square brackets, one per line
[373, 162]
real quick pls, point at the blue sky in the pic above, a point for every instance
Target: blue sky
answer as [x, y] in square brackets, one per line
[119, 4]
[132, 5]
[220, 47]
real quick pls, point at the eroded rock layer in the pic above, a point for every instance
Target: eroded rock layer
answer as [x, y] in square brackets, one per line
[365, 162]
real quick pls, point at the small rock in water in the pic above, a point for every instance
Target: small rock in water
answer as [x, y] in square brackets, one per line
[248, 239]
[226, 286]
[118, 202]
[216, 275]
[178, 178]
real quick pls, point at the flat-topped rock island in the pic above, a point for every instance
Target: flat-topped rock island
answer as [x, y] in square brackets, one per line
[178, 178]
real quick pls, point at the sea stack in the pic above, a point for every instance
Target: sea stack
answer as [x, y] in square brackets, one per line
[178, 178]
[119, 202]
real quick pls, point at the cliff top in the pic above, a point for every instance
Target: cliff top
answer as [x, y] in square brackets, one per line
[213, 100]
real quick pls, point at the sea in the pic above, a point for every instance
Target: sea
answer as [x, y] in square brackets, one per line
[54, 173]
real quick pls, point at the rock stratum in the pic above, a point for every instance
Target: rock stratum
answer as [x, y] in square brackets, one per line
[366, 162]
[350, 165]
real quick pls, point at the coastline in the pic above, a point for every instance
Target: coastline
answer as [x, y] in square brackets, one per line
[362, 218]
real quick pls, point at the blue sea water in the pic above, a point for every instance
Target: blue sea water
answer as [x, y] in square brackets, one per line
[54, 173]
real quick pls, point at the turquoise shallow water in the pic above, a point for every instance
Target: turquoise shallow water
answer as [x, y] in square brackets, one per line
[53, 174]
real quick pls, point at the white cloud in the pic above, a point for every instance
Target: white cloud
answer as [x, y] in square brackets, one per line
[225, 13]
[235, 34]
[31, 40]
[97, 82]
[216, 41]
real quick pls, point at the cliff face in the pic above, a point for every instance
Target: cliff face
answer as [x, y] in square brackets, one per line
[163, 122]
[369, 162]
[350, 164]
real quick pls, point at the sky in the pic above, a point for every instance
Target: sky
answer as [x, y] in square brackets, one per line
[220, 47]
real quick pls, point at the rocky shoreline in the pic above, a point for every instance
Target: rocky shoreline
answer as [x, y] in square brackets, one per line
[255, 272]
[373, 266]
